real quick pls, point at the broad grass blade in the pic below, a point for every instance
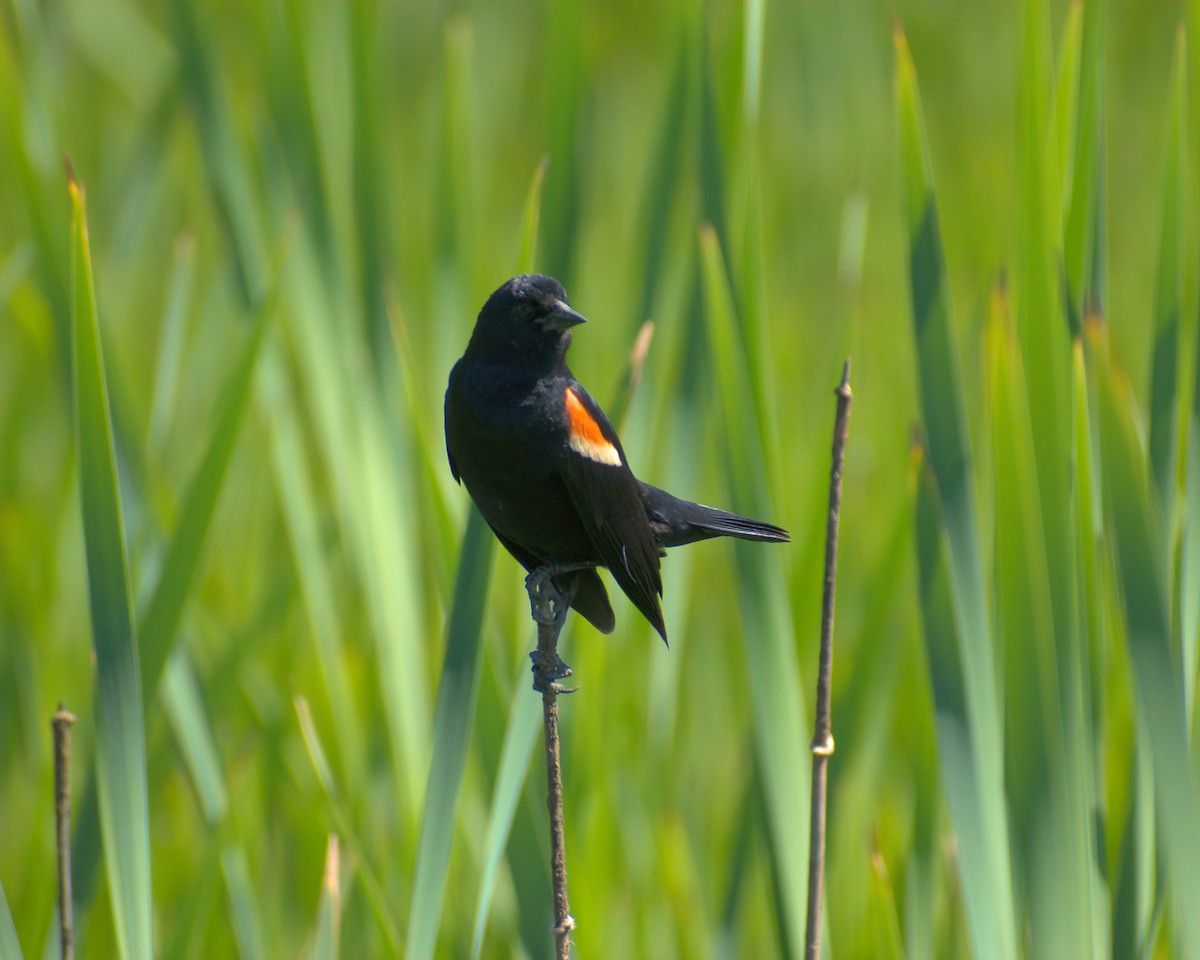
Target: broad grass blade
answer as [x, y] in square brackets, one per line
[519, 738]
[1047, 742]
[1137, 528]
[1168, 297]
[531, 217]
[954, 602]
[170, 344]
[226, 166]
[243, 905]
[453, 716]
[1082, 193]
[120, 734]
[184, 707]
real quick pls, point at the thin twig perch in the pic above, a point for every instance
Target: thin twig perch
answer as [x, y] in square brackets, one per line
[61, 724]
[549, 605]
[822, 741]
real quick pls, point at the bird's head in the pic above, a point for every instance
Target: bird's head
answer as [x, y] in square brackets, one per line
[528, 316]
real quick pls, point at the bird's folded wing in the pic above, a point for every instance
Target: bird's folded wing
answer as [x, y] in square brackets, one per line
[608, 500]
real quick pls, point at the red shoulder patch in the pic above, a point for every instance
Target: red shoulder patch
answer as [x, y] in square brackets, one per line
[586, 437]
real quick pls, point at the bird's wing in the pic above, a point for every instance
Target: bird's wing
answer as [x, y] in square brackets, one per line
[608, 500]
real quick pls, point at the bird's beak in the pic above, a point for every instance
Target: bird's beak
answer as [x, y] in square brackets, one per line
[562, 317]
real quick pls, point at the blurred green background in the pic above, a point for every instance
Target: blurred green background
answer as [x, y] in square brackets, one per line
[295, 211]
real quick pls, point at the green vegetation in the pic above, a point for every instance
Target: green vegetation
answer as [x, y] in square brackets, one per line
[229, 540]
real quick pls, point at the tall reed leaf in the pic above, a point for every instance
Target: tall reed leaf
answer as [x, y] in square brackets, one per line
[120, 737]
[1051, 824]
[453, 716]
[1168, 295]
[969, 731]
[1094, 624]
[519, 738]
[1082, 192]
[1136, 523]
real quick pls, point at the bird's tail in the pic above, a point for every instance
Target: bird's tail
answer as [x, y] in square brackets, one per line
[676, 522]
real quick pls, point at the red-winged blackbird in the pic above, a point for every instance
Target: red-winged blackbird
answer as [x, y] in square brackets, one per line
[546, 469]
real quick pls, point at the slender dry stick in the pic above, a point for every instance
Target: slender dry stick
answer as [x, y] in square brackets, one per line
[61, 724]
[564, 923]
[822, 741]
[549, 606]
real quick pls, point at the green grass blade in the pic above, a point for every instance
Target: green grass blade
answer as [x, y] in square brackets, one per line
[770, 645]
[170, 344]
[1047, 741]
[10, 946]
[243, 904]
[184, 706]
[1137, 530]
[43, 209]
[1024, 613]
[664, 181]
[225, 162]
[1093, 622]
[1188, 399]
[1066, 92]
[1168, 294]
[1083, 225]
[1190, 572]
[453, 716]
[1050, 825]
[941, 630]
[371, 162]
[531, 217]
[120, 735]
[519, 738]
[564, 84]
[970, 734]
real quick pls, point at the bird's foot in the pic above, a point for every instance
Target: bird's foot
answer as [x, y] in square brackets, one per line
[547, 672]
[547, 603]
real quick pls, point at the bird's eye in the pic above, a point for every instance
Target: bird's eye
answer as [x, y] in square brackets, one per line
[525, 310]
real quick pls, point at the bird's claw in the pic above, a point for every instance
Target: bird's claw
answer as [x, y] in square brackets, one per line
[547, 673]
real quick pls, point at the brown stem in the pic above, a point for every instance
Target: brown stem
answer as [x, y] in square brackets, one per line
[61, 724]
[549, 603]
[822, 741]
[564, 923]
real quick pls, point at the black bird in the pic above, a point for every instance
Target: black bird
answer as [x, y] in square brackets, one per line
[546, 468]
